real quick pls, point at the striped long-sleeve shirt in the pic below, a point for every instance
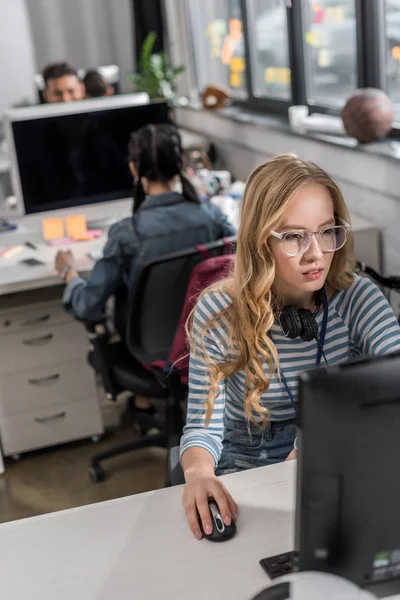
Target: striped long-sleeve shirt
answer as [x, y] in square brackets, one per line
[360, 323]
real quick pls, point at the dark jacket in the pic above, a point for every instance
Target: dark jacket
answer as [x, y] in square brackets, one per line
[165, 223]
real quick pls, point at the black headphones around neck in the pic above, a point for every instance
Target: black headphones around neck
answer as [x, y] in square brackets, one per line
[300, 322]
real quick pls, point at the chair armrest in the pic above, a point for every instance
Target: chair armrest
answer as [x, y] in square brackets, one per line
[175, 473]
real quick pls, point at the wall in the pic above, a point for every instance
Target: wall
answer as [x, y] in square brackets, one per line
[369, 181]
[16, 55]
[87, 33]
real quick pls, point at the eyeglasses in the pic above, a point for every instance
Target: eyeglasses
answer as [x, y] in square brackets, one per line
[329, 240]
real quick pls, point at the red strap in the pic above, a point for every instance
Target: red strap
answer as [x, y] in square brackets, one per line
[229, 248]
[203, 251]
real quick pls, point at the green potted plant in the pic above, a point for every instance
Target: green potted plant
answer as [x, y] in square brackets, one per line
[155, 75]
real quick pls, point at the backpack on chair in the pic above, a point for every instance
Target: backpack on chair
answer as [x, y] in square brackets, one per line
[207, 272]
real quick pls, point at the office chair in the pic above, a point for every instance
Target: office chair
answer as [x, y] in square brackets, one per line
[152, 316]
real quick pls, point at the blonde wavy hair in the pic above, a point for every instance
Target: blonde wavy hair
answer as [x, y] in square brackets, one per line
[250, 316]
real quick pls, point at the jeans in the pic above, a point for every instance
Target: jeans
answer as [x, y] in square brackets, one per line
[262, 447]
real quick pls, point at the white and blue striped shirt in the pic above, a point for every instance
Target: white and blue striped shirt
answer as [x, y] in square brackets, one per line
[360, 323]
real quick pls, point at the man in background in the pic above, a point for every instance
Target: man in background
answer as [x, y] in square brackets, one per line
[96, 85]
[62, 83]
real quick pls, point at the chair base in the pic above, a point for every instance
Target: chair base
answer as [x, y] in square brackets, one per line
[97, 472]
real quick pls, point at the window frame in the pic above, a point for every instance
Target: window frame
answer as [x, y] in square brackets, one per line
[264, 103]
[371, 58]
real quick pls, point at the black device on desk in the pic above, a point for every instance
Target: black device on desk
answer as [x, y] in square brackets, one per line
[348, 493]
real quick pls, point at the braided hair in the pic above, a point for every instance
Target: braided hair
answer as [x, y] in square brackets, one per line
[156, 152]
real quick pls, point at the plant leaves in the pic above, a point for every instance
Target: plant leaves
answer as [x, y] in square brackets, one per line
[155, 75]
[147, 50]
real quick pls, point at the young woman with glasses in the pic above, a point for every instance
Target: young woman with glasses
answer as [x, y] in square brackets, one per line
[295, 248]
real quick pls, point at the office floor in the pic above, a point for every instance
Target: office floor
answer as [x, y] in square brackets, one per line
[57, 478]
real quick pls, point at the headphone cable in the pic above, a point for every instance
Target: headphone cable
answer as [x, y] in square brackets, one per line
[321, 348]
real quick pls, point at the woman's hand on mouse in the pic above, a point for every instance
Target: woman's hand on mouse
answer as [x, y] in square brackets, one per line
[200, 487]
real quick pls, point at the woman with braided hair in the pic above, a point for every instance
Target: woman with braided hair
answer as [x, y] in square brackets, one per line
[163, 221]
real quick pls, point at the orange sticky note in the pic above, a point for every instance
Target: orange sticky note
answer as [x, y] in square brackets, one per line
[52, 229]
[76, 226]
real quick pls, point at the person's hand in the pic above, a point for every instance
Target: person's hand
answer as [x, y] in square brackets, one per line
[198, 489]
[63, 259]
[292, 455]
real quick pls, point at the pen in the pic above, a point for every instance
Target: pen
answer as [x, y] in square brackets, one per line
[30, 245]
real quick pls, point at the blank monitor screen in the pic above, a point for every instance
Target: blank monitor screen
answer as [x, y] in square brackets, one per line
[76, 159]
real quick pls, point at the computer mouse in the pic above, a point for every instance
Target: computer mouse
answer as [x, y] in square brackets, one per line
[220, 532]
[309, 584]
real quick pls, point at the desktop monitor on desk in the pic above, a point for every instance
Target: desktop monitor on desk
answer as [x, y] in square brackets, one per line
[348, 496]
[74, 154]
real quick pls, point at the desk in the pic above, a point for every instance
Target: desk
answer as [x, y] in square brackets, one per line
[140, 547]
[48, 393]
[15, 277]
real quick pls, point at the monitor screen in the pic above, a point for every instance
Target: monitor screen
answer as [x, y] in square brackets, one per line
[76, 159]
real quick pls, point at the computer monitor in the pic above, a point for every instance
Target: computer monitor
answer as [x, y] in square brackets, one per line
[348, 490]
[73, 154]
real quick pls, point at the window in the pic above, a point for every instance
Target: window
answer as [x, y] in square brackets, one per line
[392, 52]
[270, 51]
[329, 28]
[218, 44]
[318, 52]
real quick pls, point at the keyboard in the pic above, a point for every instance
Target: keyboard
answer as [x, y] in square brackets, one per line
[279, 565]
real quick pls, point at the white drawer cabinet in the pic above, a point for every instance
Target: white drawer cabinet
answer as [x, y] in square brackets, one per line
[48, 394]
[49, 426]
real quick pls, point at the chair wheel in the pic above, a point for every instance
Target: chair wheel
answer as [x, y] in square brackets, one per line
[97, 474]
[140, 431]
[96, 438]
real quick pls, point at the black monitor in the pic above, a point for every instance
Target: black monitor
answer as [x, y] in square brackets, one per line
[348, 488]
[67, 155]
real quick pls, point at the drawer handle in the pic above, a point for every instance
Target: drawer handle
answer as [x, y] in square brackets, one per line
[39, 341]
[44, 380]
[60, 415]
[36, 320]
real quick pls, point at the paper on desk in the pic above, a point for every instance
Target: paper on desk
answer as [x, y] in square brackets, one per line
[52, 229]
[10, 251]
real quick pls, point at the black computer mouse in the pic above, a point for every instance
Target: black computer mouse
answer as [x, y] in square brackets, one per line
[221, 532]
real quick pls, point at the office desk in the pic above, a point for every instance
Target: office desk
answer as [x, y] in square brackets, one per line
[48, 394]
[140, 547]
[15, 277]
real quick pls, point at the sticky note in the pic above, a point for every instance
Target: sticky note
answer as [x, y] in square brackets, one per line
[237, 64]
[76, 226]
[52, 229]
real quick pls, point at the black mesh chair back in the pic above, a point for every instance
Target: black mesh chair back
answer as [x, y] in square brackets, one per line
[158, 297]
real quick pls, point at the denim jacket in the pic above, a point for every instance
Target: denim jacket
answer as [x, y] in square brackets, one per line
[165, 223]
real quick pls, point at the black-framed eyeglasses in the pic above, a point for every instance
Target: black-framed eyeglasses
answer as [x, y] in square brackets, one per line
[298, 241]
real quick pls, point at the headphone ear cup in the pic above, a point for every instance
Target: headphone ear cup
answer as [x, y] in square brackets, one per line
[290, 322]
[309, 325]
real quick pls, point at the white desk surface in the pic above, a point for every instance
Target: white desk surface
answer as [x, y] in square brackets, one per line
[140, 547]
[15, 277]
